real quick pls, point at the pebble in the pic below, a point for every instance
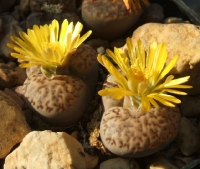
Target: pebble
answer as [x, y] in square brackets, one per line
[174, 20]
[47, 149]
[160, 162]
[13, 125]
[154, 13]
[8, 77]
[16, 98]
[119, 163]
[96, 43]
[188, 137]
[91, 161]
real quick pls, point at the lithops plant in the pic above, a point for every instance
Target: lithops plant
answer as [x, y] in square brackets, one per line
[62, 89]
[44, 12]
[147, 119]
[109, 19]
[49, 5]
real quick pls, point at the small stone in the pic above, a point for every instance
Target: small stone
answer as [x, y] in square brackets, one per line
[91, 161]
[181, 160]
[48, 149]
[96, 43]
[16, 98]
[154, 13]
[13, 126]
[174, 20]
[188, 137]
[119, 163]
[7, 76]
[101, 50]
[159, 162]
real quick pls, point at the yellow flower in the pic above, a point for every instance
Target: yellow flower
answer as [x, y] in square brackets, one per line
[48, 46]
[141, 75]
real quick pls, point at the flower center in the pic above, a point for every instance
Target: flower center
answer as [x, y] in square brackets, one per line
[140, 75]
[53, 46]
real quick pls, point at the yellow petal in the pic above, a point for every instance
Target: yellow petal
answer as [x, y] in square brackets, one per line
[159, 60]
[21, 57]
[131, 52]
[63, 33]
[140, 52]
[167, 69]
[82, 39]
[26, 65]
[161, 100]
[169, 98]
[121, 80]
[142, 88]
[151, 55]
[146, 104]
[174, 91]
[99, 58]
[77, 29]
[178, 81]
[153, 102]
[116, 93]
[54, 29]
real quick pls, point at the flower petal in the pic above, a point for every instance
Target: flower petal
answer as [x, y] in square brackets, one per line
[116, 93]
[47, 45]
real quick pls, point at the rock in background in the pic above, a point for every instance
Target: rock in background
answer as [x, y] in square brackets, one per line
[13, 126]
[47, 149]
